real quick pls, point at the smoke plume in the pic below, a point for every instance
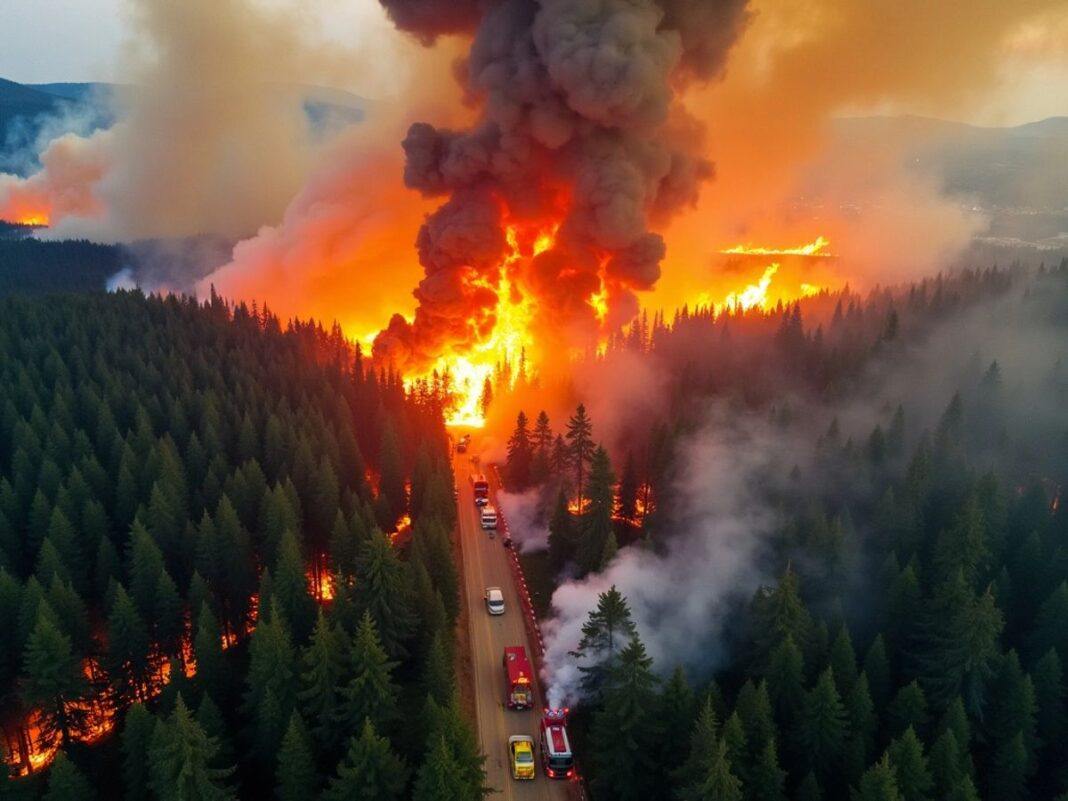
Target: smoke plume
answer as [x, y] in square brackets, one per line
[580, 140]
[212, 134]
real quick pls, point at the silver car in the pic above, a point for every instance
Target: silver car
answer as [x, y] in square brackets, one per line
[494, 601]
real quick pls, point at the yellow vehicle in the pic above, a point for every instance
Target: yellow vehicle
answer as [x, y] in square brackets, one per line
[521, 755]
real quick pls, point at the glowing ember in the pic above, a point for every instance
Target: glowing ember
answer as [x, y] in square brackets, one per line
[814, 248]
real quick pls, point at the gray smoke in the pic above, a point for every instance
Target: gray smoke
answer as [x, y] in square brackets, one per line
[580, 132]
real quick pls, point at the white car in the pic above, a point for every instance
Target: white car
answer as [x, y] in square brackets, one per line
[494, 601]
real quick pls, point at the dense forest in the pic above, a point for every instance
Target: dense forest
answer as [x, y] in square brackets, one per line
[908, 639]
[226, 564]
[32, 266]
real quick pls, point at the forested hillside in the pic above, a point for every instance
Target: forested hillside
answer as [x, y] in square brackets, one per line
[225, 561]
[29, 266]
[905, 638]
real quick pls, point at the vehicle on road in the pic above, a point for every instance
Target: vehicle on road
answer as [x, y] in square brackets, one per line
[521, 755]
[556, 756]
[494, 601]
[464, 441]
[520, 690]
[481, 487]
[488, 518]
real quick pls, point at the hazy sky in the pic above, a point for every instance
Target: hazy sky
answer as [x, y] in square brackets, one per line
[83, 40]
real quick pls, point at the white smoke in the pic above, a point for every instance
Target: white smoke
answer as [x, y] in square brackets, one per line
[528, 532]
[679, 598]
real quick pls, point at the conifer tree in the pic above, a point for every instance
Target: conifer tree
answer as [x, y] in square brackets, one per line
[596, 537]
[909, 708]
[439, 776]
[212, 675]
[580, 449]
[520, 456]
[383, 592]
[290, 587]
[878, 784]
[295, 775]
[823, 728]
[717, 783]
[52, 679]
[624, 727]
[127, 654]
[604, 634]
[66, 782]
[137, 729]
[370, 693]
[325, 664]
[910, 767]
[181, 758]
[372, 771]
[766, 778]
[439, 677]
[860, 712]
[562, 536]
[271, 681]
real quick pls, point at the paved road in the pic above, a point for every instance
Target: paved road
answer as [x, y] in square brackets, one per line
[486, 565]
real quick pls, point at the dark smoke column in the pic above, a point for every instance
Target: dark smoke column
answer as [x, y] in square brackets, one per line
[580, 133]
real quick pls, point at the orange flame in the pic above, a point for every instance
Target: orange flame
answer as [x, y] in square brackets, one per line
[511, 337]
[813, 248]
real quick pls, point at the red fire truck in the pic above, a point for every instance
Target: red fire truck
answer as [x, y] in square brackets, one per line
[481, 487]
[556, 756]
[520, 694]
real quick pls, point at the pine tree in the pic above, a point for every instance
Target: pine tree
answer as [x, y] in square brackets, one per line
[1049, 701]
[212, 674]
[595, 524]
[877, 669]
[181, 756]
[580, 447]
[785, 677]
[878, 784]
[909, 708]
[439, 777]
[127, 654]
[290, 587]
[678, 710]
[66, 782]
[520, 456]
[439, 678]
[562, 538]
[624, 728]
[823, 726]
[383, 592]
[1009, 769]
[910, 767]
[843, 662]
[717, 783]
[371, 771]
[324, 660]
[296, 778]
[137, 731]
[628, 491]
[766, 778]
[945, 763]
[391, 477]
[271, 681]
[52, 679]
[370, 693]
[604, 634]
[779, 613]
[542, 443]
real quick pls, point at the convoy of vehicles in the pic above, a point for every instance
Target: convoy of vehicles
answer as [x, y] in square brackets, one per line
[519, 676]
[494, 601]
[521, 755]
[556, 757]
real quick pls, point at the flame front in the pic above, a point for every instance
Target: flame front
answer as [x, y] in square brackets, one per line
[816, 247]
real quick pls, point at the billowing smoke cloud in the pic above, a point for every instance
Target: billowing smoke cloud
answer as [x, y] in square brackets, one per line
[679, 598]
[580, 136]
[212, 134]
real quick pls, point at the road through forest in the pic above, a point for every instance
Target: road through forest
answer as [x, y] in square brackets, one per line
[486, 565]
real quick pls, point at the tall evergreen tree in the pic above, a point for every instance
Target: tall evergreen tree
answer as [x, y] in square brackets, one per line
[66, 782]
[370, 693]
[371, 771]
[384, 593]
[296, 777]
[324, 661]
[604, 634]
[595, 526]
[181, 758]
[581, 449]
[137, 729]
[519, 465]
